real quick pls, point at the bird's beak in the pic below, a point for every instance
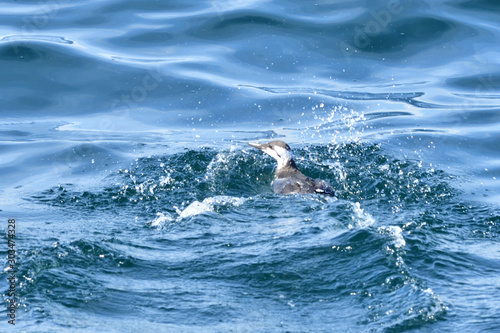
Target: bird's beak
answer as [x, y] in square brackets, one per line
[260, 146]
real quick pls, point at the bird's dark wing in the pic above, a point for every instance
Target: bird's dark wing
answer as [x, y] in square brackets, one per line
[288, 186]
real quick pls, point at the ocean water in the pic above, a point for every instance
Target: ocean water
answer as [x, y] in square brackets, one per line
[139, 206]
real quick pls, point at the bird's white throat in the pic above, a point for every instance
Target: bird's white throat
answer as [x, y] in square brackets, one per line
[280, 154]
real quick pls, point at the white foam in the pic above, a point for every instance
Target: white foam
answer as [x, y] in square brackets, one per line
[396, 233]
[215, 163]
[429, 291]
[360, 217]
[384, 167]
[208, 205]
[195, 208]
[161, 219]
[166, 180]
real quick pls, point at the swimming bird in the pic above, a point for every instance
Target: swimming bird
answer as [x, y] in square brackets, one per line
[289, 179]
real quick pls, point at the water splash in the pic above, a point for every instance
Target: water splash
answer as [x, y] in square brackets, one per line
[396, 233]
[211, 204]
[361, 219]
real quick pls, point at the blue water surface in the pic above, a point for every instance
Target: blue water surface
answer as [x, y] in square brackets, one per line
[139, 206]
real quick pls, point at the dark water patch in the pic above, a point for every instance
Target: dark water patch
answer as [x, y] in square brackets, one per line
[14, 52]
[481, 5]
[235, 20]
[398, 35]
[135, 6]
[423, 29]
[150, 37]
[15, 133]
[486, 83]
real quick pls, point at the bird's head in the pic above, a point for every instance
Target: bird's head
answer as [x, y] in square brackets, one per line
[279, 150]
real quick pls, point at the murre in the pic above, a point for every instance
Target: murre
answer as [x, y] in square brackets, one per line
[289, 179]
